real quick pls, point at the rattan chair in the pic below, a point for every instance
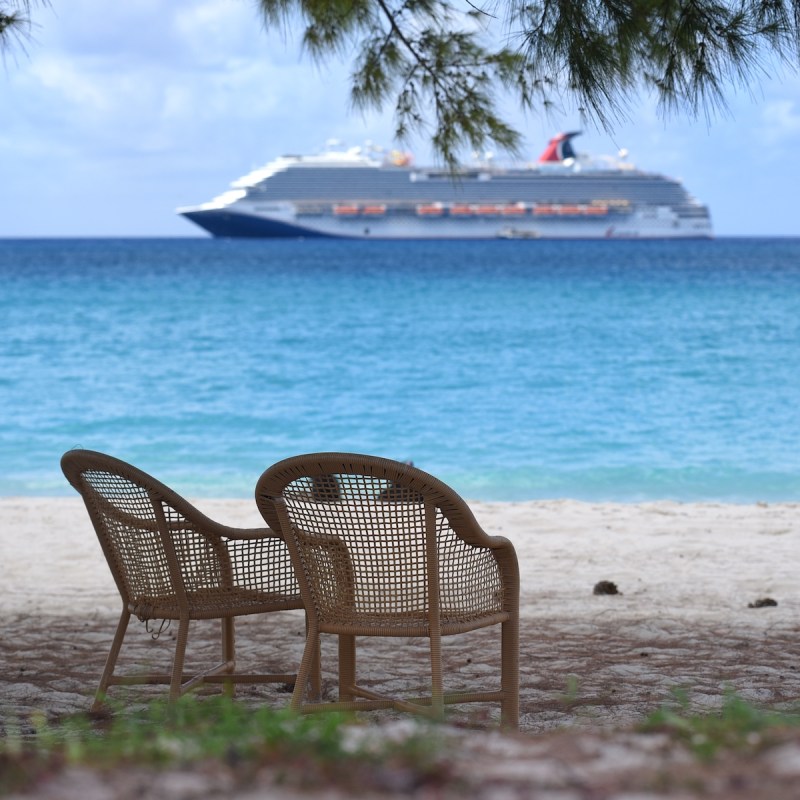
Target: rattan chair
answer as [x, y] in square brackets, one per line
[170, 562]
[384, 549]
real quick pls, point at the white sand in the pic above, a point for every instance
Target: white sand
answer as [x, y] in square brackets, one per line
[671, 561]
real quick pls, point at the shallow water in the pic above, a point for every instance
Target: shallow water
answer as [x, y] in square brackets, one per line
[512, 370]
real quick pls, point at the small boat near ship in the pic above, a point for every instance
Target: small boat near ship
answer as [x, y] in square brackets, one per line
[361, 193]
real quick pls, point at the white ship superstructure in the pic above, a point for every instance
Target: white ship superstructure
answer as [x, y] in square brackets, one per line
[356, 194]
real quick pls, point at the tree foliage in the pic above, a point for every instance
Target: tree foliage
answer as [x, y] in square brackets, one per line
[443, 64]
[15, 21]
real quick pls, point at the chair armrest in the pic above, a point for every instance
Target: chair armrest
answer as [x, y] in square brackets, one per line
[507, 561]
[248, 533]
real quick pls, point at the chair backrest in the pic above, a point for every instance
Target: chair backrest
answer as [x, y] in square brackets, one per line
[153, 549]
[374, 537]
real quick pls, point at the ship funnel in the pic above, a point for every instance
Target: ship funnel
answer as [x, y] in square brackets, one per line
[559, 148]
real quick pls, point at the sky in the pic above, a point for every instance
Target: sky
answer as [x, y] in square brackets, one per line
[115, 114]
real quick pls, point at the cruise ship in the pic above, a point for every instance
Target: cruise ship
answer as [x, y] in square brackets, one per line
[361, 193]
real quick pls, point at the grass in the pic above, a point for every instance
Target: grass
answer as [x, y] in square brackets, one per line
[316, 749]
[738, 725]
[321, 750]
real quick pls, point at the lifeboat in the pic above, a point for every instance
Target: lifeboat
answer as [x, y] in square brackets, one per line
[570, 211]
[374, 210]
[518, 209]
[460, 211]
[596, 211]
[542, 210]
[487, 211]
[345, 210]
[430, 210]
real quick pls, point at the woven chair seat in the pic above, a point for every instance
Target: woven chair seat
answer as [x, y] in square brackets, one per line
[214, 604]
[411, 623]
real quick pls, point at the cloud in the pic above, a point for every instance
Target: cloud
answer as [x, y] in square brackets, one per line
[109, 84]
[211, 33]
[131, 32]
[781, 122]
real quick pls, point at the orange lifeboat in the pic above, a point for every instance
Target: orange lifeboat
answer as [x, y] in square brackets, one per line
[430, 210]
[597, 210]
[460, 211]
[542, 210]
[487, 210]
[569, 210]
[374, 210]
[518, 209]
[345, 210]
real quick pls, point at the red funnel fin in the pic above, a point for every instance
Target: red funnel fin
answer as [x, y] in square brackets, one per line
[559, 148]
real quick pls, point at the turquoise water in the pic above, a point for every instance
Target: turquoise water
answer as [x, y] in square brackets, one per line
[512, 370]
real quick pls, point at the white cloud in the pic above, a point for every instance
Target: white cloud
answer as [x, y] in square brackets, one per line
[781, 122]
[215, 31]
[65, 81]
[210, 73]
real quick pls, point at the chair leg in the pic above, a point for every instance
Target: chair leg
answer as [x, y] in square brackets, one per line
[347, 666]
[316, 673]
[177, 663]
[310, 655]
[437, 680]
[509, 660]
[229, 652]
[316, 669]
[111, 659]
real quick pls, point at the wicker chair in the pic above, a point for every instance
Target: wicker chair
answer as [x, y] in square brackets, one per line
[170, 562]
[384, 549]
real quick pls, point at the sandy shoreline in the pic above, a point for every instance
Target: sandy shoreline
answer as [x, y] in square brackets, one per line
[671, 561]
[591, 669]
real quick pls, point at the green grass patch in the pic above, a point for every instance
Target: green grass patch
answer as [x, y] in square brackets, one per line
[739, 725]
[308, 750]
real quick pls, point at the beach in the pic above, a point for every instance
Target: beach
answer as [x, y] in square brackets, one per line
[671, 562]
[678, 568]
[593, 666]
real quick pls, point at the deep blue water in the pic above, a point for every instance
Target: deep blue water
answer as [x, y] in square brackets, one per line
[511, 370]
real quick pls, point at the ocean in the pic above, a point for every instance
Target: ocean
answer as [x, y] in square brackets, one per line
[513, 370]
